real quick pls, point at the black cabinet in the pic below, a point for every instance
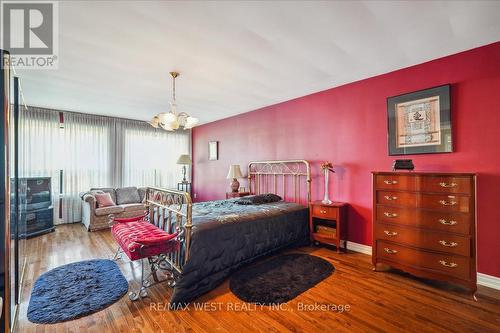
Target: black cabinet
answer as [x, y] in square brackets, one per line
[38, 210]
[39, 221]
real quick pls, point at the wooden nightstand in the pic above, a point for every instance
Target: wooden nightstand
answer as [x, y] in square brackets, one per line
[230, 195]
[328, 223]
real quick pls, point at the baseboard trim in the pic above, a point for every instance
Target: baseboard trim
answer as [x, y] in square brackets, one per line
[356, 247]
[486, 280]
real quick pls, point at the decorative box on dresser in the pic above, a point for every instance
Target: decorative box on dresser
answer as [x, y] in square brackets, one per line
[424, 223]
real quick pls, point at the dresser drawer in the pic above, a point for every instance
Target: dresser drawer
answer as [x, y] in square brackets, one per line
[452, 265]
[405, 199]
[395, 182]
[459, 223]
[325, 212]
[446, 184]
[425, 239]
[447, 203]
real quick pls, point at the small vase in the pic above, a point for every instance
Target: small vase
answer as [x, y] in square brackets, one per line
[326, 200]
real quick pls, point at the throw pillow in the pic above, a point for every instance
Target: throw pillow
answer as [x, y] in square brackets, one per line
[104, 200]
[259, 199]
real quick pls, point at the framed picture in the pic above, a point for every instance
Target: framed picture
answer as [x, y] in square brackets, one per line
[420, 122]
[213, 150]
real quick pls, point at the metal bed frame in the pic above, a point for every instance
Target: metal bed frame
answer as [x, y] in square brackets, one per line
[171, 210]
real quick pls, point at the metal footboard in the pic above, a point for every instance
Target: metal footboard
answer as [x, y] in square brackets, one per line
[171, 211]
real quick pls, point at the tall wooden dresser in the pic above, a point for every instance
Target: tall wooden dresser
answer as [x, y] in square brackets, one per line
[425, 224]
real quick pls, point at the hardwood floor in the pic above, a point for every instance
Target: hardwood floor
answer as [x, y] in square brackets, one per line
[378, 302]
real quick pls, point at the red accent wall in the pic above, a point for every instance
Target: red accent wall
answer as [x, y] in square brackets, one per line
[348, 126]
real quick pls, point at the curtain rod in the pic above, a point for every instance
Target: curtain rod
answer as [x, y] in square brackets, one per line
[83, 113]
[103, 116]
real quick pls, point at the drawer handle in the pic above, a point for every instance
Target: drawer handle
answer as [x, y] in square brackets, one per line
[390, 233]
[447, 203]
[390, 214]
[448, 184]
[450, 244]
[322, 211]
[390, 198]
[448, 264]
[388, 250]
[443, 221]
[391, 182]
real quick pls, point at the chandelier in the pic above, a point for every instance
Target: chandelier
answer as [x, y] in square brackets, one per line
[172, 121]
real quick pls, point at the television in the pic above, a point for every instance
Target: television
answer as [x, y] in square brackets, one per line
[38, 193]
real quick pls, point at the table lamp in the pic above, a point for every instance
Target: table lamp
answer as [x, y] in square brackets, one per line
[184, 160]
[234, 173]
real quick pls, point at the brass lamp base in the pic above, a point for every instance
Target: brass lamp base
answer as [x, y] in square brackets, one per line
[235, 185]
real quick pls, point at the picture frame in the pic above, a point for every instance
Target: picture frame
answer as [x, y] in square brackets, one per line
[420, 122]
[213, 150]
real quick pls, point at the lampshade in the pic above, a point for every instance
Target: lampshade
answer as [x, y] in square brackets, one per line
[184, 159]
[155, 122]
[234, 172]
[191, 122]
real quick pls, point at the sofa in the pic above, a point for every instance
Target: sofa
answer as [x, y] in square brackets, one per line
[128, 202]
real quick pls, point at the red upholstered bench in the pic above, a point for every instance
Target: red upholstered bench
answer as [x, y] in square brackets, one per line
[139, 239]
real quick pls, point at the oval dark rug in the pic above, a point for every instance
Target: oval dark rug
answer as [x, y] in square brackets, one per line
[75, 290]
[279, 279]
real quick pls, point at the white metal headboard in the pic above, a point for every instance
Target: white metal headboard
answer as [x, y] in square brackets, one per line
[278, 176]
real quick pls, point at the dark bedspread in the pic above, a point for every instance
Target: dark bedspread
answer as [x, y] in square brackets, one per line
[227, 235]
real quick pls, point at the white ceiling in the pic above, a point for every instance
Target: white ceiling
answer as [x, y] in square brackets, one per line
[238, 56]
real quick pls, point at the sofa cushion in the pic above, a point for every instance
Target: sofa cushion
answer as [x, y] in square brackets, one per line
[142, 193]
[104, 200]
[132, 207]
[109, 190]
[108, 210]
[126, 195]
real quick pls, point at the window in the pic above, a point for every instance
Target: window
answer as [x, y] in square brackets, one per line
[150, 157]
[94, 151]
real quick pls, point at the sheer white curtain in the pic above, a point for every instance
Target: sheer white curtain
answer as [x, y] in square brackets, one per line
[86, 159]
[150, 156]
[95, 151]
[40, 148]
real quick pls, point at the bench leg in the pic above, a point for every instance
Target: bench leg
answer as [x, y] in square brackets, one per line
[153, 265]
[118, 253]
[142, 292]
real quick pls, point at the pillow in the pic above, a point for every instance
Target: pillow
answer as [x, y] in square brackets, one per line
[105, 190]
[127, 195]
[259, 199]
[104, 200]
